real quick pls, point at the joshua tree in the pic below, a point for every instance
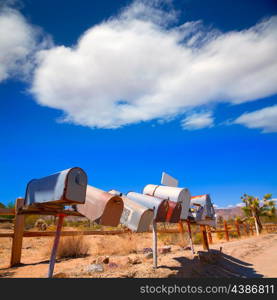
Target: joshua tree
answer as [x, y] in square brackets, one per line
[256, 208]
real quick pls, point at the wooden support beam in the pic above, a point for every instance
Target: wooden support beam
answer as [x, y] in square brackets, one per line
[18, 233]
[226, 231]
[210, 238]
[204, 237]
[237, 227]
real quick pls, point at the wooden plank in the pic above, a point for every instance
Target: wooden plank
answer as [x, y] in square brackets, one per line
[7, 211]
[18, 234]
[210, 238]
[204, 237]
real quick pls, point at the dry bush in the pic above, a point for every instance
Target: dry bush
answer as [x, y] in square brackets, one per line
[172, 239]
[72, 247]
[118, 244]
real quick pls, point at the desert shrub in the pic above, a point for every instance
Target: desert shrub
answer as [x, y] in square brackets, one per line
[197, 238]
[234, 235]
[172, 239]
[73, 247]
[220, 235]
[30, 221]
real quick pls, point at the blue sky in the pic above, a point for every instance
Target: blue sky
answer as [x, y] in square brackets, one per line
[214, 154]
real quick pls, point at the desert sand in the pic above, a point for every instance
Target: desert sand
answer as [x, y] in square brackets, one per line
[247, 257]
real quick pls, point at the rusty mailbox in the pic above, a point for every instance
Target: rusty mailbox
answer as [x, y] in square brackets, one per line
[202, 211]
[174, 212]
[135, 216]
[160, 206]
[65, 187]
[174, 194]
[101, 207]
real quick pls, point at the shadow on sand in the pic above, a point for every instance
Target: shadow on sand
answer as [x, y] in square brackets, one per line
[213, 264]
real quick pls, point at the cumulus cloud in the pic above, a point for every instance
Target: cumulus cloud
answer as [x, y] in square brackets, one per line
[265, 119]
[240, 205]
[19, 42]
[197, 121]
[140, 66]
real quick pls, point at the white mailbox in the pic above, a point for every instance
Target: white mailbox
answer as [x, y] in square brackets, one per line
[175, 194]
[65, 187]
[160, 206]
[135, 216]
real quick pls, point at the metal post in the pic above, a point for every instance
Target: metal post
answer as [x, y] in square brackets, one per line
[55, 245]
[190, 236]
[155, 248]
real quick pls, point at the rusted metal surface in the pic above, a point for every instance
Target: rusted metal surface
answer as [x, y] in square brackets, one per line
[101, 207]
[135, 216]
[202, 211]
[159, 206]
[65, 187]
[175, 194]
[174, 212]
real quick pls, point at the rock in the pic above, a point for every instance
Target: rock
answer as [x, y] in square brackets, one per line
[112, 265]
[165, 249]
[148, 255]
[147, 250]
[187, 248]
[60, 275]
[134, 261]
[95, 268]
[106, 260]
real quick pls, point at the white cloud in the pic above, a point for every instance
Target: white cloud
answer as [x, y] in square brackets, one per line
[197, 121]
[19, 41]
[137, 66]
[265, 119]
[240, 204]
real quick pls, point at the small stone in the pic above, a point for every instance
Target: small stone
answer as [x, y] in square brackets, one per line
[95, 268]
[106, 260]
[147, 250]
[60, 275]
[134, 261]
[113, 265]
[165, 249]
[148, 255]
[187, 248]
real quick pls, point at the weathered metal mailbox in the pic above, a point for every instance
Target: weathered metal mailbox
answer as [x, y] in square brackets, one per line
[160, 206]
[202, 211]
[135, 216]
[101, 207]
[65, 187]
[174, 194]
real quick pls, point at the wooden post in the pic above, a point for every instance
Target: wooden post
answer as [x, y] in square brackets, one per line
[226, 231]
[18, 234]
[237, 227]
[190, 236]
[204, 237]
[155, 245]
[245, 228]
[55, 246]
[251, 229]
[210, 238]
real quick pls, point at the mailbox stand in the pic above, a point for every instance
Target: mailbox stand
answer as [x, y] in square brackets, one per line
[190, 237]
[155, 250]
[55, 245]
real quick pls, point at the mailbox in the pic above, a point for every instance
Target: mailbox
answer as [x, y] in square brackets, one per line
[101, 207]
[135, 216]
[175, 194]
[174, 212]
[160, 206]
[202, 211]
[65, 187]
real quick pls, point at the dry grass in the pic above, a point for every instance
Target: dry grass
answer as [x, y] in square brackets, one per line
[72, 247]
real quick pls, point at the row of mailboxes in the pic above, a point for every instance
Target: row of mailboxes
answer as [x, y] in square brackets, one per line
[202, 211]
[135, 216]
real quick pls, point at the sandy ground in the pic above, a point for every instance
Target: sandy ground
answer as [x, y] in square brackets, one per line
[247, 257]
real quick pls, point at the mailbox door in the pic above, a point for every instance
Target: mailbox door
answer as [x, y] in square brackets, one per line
[136, 216]
[174, 212]
[112, 212]
[160, 205]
